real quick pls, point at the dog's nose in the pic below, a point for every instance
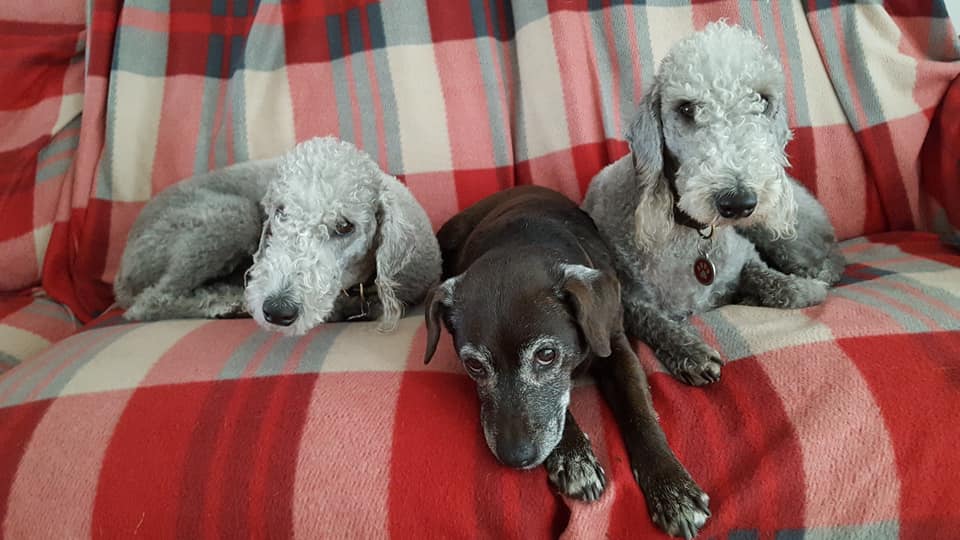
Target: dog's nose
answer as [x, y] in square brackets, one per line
[736, 204]
[520, 455]
[280, 313]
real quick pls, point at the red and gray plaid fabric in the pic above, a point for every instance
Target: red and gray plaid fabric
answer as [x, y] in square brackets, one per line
[831, 422]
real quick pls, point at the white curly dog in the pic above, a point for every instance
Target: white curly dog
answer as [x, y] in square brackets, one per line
[701, 212]
[319, 234]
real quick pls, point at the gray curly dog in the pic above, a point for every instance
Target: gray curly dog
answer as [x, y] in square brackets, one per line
[319, 234]
[701, 212]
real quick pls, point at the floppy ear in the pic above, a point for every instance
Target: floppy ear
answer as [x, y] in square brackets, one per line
[645, 134]
[397, 241]
[264, 234]
[595, 299]
[438, 299]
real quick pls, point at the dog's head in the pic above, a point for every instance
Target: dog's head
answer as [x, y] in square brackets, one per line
[520, 330]
[715, 123]
[330, 225]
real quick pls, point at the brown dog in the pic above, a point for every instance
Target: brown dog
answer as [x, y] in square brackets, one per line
[531, 300]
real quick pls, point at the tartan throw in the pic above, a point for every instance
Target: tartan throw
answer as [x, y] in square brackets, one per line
[832, 422]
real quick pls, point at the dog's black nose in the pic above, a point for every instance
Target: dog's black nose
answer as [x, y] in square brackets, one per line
[279, 312]
[736, 204]
[520, 455]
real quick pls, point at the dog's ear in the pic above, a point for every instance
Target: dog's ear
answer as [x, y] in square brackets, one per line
[594, 297]
[397, 238]
[439, 298]
[645, 134]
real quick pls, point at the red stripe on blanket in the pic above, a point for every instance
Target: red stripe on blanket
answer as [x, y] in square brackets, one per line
[17, 189]
[803, 158]
[926, 245]
[151, 461]
[880, 153]
[163, 458]
[438, 447]
[16, 429]
[34, 61]
[474, 185]
[305, 37]
[590, 159]
[103, 33]
[301, 11]
[911, 8]
[918, 395]
[450, 22]
[940, 155]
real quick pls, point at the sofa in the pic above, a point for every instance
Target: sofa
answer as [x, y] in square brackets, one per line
[836, 421]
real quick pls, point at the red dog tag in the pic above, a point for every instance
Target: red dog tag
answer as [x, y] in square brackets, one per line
[704, 270]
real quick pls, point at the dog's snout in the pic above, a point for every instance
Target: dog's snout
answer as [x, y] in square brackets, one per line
[739, 203]
[519, 454]
[280, 312]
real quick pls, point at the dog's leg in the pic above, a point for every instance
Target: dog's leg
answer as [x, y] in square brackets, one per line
[681, 350]
[675, 502]
[216, 301]
[209, 247]
[573, 467]
[761, 285]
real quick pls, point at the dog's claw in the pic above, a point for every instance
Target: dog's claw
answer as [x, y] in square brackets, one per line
[577, 474]
[679, 507]
[698, 367]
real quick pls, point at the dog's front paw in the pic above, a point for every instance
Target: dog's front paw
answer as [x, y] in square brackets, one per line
[678, 506]
[807, 293]
[234, 310]
[576, 473]
[697, 366]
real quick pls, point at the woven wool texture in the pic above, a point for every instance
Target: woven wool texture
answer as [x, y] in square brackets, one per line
[830, 422]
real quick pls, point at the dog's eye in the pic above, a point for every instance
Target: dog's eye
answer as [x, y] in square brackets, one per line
[765, 101]
[280, 213]
[474, 367]
[546, 355]
[687, 109]
[343, 227]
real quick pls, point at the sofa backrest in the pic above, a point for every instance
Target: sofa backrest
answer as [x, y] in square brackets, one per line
[461, 99]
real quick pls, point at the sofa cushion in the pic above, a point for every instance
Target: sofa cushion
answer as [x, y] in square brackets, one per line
[29, 324]
[834, 421]
[462, 99]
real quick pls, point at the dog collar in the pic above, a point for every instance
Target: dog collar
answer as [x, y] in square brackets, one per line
[703, 268]
[362, 289]
[670, 168]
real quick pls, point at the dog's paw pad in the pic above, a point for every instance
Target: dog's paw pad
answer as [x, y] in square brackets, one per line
[577, 475]
[679, 508]
[700, 367]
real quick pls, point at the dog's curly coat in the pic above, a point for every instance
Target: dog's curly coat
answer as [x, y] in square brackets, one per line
[299, 230]
[707, 159]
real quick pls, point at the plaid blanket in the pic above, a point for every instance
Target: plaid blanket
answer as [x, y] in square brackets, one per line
[831, 422]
